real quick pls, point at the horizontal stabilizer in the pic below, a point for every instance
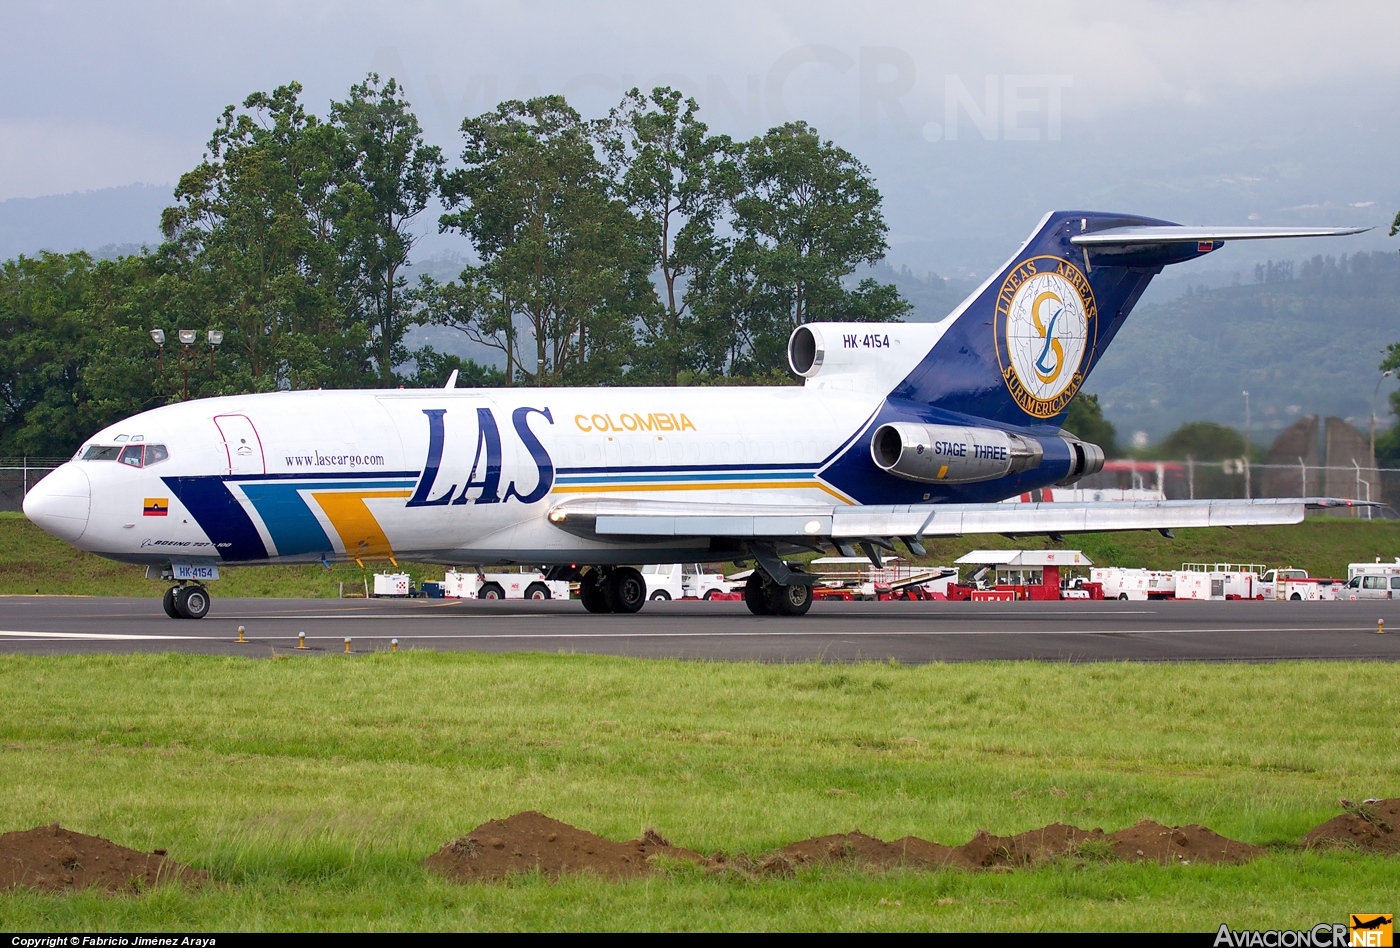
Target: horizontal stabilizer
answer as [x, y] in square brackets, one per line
[637, 518]
[1182, 233]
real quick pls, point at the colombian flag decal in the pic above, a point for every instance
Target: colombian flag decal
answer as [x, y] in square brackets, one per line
[156, 507]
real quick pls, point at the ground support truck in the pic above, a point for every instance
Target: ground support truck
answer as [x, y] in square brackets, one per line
[472, 584]
[683, 581]
[1139, 585]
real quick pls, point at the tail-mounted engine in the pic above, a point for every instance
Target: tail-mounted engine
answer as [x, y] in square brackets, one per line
[948, 454]
[953, 454]
[1084, 459]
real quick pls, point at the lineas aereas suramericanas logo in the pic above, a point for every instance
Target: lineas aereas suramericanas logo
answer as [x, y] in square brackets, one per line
[1046, 326]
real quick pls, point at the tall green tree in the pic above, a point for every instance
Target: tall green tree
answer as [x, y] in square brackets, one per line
[75, 354]
[669, 170]
[563, 274]
[385, 183]
[254, 237]
[803, 214]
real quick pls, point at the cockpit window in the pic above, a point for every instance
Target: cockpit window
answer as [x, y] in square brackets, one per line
[102, 452]
[132, 455]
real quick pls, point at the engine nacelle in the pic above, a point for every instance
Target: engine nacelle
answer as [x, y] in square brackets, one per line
[859, 357]
[1084, 459]
[953, 454]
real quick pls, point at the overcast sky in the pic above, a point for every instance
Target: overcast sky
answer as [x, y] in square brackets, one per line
[975, 119]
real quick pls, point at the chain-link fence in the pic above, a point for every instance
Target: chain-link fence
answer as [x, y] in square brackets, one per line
[1237, 477]
[17, 475]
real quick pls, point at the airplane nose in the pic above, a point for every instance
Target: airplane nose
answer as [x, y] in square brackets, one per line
[61, 502]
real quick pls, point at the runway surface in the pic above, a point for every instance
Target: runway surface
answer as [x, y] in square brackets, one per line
[911, 632]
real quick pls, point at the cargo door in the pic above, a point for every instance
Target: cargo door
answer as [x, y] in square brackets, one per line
[242, 446]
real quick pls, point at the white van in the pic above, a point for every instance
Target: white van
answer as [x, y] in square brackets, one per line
[1373, 580]
[1373, 586]
[682, 581]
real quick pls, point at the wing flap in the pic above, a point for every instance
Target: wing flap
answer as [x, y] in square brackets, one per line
[626, 518]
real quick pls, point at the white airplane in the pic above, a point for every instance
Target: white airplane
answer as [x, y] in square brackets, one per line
[901, 431]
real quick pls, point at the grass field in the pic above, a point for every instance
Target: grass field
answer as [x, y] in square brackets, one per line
[31, 561]
[312, 788]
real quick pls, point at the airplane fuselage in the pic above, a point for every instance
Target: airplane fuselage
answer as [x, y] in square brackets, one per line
[465, 476]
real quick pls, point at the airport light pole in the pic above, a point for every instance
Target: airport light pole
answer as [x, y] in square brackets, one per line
[1374, 395]
[1246, 447]
[187, 359]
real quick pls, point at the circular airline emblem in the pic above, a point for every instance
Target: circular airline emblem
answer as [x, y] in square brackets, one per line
[1046, 325]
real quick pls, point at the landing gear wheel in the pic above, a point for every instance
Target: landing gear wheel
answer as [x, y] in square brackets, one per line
[755, 597]
[537, 591]
[168, 603]
[791, 600]
[192, 602]
[625, 590]
[491, 591]
[661, 595]
[590, 592]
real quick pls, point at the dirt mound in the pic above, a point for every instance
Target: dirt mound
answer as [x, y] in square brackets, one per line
[1370, 826]
[867, 852]
[53, 859]
[1148, 840]
[985, 851]
[530, 840]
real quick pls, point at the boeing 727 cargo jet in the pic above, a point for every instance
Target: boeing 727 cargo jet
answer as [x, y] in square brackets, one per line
[901, 431]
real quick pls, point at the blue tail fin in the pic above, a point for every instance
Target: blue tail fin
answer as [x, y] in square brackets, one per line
[1020, 347]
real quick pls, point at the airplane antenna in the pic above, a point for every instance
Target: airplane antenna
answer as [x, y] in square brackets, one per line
[451, 380]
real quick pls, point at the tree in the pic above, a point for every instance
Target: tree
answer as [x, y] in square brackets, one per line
[74, 351]
[666, 165]
[254, 240]
[1203, 441]
[804, 214]
[435, 367]
[1085, 419]
[387, 181]
[563, 273]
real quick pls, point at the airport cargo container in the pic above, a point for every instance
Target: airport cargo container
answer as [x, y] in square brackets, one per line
[1218, 581]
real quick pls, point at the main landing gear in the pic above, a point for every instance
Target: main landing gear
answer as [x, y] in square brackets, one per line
[618, 589]
[186, 601]
[765, 597]
[622, 589]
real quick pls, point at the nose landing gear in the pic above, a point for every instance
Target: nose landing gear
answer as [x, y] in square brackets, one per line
[186, 601]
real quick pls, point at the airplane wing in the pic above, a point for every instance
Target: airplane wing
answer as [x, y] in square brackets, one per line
[605, 518]
[1183, 233]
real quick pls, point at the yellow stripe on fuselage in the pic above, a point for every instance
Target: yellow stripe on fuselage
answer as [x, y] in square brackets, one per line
[359, 531]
